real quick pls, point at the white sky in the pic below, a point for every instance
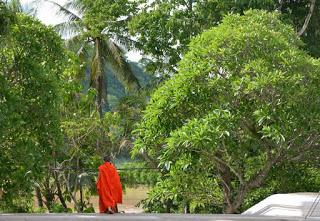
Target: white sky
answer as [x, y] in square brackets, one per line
[47, 14]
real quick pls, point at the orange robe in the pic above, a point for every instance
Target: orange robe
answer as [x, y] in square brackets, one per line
[109, 187]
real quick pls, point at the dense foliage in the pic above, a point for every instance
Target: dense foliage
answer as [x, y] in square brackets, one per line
[239, 112]
[164, 28]
[245, 101]
[32, 57]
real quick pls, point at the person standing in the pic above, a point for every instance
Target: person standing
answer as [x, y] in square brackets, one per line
[109, 187]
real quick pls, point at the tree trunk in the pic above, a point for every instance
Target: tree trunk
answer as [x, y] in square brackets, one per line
[168, 205]
[61, 198]
[39, 196]
[225, 183]
[99, 76]
[256, 180]
[81, 196]
[187, 208]
[75, 188]
[236, 202]
[230, 210]
[48, 195]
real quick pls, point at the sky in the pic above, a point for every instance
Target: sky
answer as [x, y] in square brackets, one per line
[47, 13]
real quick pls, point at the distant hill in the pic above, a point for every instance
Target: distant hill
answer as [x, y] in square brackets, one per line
[116, 90]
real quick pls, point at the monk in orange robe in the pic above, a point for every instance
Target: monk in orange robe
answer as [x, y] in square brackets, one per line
[109, 187]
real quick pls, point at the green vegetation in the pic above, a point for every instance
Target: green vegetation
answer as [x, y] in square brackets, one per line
[244, 101]
[92, 37]
[32, 56]
[164, 28]
[230, 105]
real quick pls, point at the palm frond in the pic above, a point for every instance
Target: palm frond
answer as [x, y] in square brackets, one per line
[74, 43]
[114, 56]
[83, 59]
[29, 9]
[14, 5]
[125, 41]
[34, 7]
[83, 49]
[69, 28]
[78, 44]
[65, 11]
[75, 5]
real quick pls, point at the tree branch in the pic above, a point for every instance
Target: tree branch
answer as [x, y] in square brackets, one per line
[255, 181]
[237, 174]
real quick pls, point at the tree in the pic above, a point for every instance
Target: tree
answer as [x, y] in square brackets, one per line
[95, 28]
[164, 28]
[244, 101]
[32, 57]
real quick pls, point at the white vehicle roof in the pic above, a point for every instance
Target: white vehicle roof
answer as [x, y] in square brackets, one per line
[290, 205]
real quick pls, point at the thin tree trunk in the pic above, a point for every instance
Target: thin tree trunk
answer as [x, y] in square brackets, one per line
[49, 196]
[307, 20]
[61, 198]
[39, 196]
[81, 196]
[168, 205]
[187, 208]
[226, 178]
[75, 189]
[68, 188]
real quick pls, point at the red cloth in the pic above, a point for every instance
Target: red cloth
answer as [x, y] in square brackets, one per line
[109, 187]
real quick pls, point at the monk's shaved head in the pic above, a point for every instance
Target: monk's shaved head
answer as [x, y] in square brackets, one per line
[107, 158]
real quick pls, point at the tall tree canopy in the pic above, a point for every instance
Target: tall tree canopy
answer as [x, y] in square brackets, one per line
[164, 28]
[32, 57]
[245, 100]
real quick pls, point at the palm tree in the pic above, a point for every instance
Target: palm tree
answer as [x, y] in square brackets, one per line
[101, 47]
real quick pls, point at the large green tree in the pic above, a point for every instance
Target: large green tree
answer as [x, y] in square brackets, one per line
[96, 31]
[164, 28]
[244, 101]
[32, 57]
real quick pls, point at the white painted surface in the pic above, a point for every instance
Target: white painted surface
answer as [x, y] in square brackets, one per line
[291, 204]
